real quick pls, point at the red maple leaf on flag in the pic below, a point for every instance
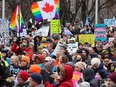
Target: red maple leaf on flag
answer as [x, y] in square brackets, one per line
[48, 8]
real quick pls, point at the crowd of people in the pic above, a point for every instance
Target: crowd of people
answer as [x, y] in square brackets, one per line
[28, 64]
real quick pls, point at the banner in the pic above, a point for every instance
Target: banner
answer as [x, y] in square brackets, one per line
[41, 32]
[55, 27]
[110, 22]
[4, 32]
[100, 32]
[87, 38]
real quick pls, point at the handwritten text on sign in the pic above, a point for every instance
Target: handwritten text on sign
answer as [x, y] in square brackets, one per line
[87, 38]
[55, 26]
[100, 34]
[4, 32]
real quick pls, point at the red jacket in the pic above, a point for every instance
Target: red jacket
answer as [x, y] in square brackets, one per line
[15, 49]
[67, 82]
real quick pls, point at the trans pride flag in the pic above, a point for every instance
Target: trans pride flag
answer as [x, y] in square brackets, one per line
[16, 18]
[46, 9]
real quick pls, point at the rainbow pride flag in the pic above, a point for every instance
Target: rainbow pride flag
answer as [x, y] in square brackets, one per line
[16, 18]
[37, 13]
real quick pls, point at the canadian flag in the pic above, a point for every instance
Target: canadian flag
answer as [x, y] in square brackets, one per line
[47, 8]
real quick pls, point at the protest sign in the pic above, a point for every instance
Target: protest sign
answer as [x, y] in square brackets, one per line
[4, 32]
[76, 77]
[55, 27]
[87, 38]
[14, 69]
[110, 22]
[24, 33]
[72, 47]
[100, 32]
[110, 39]
[59, 44]
[41, 32]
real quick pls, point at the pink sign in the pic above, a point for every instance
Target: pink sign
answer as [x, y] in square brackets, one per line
[100, 34]
[76, 78]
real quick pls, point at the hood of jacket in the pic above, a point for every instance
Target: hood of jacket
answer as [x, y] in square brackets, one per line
[68, 72]
[88, 74]
[113, 62]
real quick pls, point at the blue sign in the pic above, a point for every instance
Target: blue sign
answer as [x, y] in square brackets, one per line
[110, 22]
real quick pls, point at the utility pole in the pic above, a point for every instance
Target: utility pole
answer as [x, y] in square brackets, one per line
[96, 12]
[3, 9]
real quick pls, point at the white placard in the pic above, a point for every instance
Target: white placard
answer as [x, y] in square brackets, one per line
[4, 32]
[59, 44]
[41, 32]
[72, 48]
[110, 39]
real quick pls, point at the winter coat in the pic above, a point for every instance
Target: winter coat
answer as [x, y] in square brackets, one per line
[26, 84]
[18, 50]
[67, 82]
[109, 67]
[6, 78]
[89, 76]
[15, 69]
[102, 72]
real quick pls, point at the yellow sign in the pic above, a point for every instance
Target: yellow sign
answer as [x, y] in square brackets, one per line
[55, 27]
[87, 38]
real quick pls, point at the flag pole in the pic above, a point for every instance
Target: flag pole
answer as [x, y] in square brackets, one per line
[19, 21]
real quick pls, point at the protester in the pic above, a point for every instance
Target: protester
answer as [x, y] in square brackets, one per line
[6, 78]
[65, 73]
[89, 76]
[36, 80]
[59, 60]
[64, 50]
[63, 59]
[45, 53]
[25, 62]
[35, 69]
[23, 49]
[4, 56]
[112, 67]
[112, 80]
[98, 68]
[15, 65]
[79, 67]
[22, 79]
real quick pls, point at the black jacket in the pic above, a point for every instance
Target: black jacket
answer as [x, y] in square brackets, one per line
[89, 76]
